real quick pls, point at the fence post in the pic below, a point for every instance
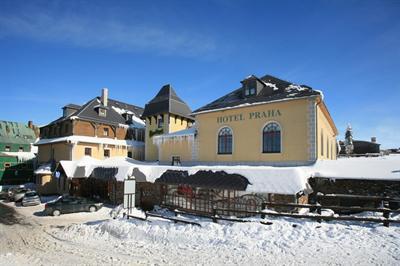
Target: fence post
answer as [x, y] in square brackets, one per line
[214, 218]
[319, 212]
[263, 206]
[386, 215]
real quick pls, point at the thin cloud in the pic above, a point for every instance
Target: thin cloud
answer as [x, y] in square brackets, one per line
[109, 33]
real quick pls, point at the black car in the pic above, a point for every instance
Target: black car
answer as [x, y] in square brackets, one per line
[70, 205]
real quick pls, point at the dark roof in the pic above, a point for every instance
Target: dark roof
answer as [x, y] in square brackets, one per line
[166, 101]
[88, 111]
[205, 179]
[72, 106]
[268, 93]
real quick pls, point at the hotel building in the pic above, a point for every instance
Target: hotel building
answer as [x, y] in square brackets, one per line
[266, 121]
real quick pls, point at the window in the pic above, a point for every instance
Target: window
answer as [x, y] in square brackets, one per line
[88, 151]
[130, 154]
[250, 91]
[102, 112]
[272, 138]
[322, 143]
[106, 153]
[7, 148]
[21, 149]
[106, 132]
[66, 128]
[176, 160]
[160, 122]
[225, 141]
[327, 148]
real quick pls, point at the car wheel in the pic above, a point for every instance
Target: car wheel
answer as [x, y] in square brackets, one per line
[56, 213]
[92, 208]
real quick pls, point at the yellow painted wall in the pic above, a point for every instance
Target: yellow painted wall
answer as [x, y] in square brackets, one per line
[247, 133]
[98, 150]
[326, 137]
[151, 150]
[178, 124]
[62, 151]
[170, 148]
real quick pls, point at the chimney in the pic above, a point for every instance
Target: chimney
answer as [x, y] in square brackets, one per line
[30, 124]
[373, 139]
[104, 96]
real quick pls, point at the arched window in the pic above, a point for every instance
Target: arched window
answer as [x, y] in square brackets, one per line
[225, 141]
[272, 138]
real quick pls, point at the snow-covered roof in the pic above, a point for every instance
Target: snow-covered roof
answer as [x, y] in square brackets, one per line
[44, 169]
[87, 139]
[281, 91]
[21, 155]
[267, 179]
[262, 178]
[84, 167]
[136, 121]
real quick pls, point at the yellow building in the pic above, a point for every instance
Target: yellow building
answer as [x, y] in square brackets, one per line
[165, 113]
[266, 121]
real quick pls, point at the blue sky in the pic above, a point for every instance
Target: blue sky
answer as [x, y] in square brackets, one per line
[58, 52]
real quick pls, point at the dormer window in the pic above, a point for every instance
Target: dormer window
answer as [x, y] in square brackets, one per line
[102, 112]
[250, 91]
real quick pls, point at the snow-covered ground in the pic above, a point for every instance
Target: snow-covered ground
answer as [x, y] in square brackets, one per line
[94, 238]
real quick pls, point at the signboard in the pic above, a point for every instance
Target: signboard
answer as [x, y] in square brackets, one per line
[249, 116]
[130, 186]
[129, 194]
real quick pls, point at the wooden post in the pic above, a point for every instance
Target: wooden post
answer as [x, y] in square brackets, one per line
[386, 215]
[214, 217]
[263, 206]
[319, 212]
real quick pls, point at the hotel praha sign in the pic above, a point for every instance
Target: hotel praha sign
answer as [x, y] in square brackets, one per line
[249, 116]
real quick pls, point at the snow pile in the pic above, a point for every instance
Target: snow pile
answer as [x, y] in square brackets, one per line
[384, 167]
[21, 155]
[295, 87]
[286, 241]
[272, 85]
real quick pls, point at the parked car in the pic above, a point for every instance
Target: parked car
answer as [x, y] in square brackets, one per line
[4, 193]
[16, 194]
[31, 198]
[71, 204]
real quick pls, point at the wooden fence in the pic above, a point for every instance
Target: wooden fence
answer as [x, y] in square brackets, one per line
[315, 209]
